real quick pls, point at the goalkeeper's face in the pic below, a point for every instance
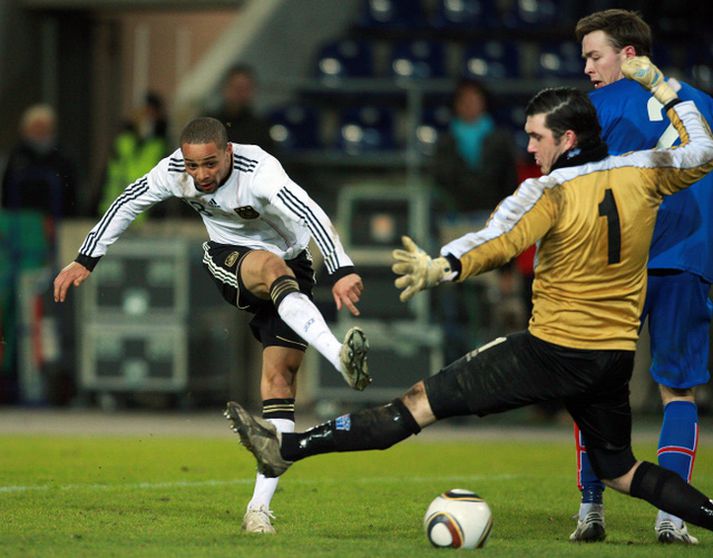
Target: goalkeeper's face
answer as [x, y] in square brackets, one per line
[602, 61]
[544, 146]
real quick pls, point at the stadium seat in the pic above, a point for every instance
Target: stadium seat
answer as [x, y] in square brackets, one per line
[346, 58]
[698, 65]
[366, 128]
[463, 14]
[491, 59]
[435, 119]
[560, 60]
[536, 14]
[418, 60]
[295, 127]
[397, 14]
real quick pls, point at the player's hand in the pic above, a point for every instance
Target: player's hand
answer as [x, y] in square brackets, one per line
[417, 269]
[643, 71]
[347, 292]
[74, 274]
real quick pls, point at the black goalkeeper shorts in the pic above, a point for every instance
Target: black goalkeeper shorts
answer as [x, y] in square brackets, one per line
[223, 263]
[521, 369]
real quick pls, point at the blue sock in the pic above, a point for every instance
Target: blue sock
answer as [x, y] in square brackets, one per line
[589, 484]
[679, 438]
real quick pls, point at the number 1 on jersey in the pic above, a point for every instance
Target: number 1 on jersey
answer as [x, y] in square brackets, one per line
[607, 208]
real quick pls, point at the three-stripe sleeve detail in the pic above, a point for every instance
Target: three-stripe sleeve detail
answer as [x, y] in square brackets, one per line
[320, 235]
[129, 194]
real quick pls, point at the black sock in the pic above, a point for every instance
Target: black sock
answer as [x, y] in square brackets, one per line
[670, 493]
[278, 409]
[375, 428]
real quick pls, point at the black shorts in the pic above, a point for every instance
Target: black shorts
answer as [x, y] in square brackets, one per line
[223, 263]
[521, 369]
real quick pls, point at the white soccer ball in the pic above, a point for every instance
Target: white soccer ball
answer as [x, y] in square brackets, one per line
[458, 519]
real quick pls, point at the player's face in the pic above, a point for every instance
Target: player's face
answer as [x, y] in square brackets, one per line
[543, 144]
[602, 61]
[207, 165]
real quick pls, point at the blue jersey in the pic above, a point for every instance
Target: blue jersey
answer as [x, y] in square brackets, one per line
[632, 120]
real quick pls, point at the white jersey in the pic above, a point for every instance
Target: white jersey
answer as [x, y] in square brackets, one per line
[258, 206]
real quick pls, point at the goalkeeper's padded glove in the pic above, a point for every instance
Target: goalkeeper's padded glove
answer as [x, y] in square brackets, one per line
[417, 269]
[645, 72]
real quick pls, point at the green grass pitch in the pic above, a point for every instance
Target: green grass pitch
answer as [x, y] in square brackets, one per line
[165, 496]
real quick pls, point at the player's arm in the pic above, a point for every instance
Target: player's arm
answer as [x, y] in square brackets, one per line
[517, 223]
[136, 198]
[295, 204]
[348, 286]
[679, 167]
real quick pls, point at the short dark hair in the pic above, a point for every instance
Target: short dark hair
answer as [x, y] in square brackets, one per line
[205, 130]
[240, 69]
[623, 27]
[466, 83]
[567, 108]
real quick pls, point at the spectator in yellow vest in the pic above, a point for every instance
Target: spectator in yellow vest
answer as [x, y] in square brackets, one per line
[136, 150]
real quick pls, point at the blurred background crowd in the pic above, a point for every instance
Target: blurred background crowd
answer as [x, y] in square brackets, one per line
[397, 116]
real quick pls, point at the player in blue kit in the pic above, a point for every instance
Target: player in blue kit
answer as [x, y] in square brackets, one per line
[680, 269]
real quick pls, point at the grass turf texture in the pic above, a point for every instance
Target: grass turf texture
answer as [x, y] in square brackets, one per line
[154, 496]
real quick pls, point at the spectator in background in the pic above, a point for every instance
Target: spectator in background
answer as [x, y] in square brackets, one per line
[236, 111]
[137, 149]
[475, 164]
[39, 189]
[38, 176]
[473, 169]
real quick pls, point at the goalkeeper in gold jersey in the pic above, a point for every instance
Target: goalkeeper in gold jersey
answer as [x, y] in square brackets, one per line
[592, 216]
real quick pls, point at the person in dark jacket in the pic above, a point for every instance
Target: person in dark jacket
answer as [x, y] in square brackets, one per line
[475, 165]
[38, 176]
[236, 112]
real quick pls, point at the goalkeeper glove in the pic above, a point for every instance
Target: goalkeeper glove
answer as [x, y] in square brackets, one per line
[643, 71]
[417, 269]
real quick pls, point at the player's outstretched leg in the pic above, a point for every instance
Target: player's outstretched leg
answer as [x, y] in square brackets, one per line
[375, 428]
[260, 437]
[352, 359]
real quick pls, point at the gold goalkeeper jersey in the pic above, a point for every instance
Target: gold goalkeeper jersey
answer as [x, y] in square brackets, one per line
[593, 225]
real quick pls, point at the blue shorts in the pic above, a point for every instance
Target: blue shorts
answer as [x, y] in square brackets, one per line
[679, 313]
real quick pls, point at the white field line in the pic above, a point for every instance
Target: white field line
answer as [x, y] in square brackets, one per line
[249, 481]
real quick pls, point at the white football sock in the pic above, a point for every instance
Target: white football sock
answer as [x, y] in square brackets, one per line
[300, 313]
[265, 487]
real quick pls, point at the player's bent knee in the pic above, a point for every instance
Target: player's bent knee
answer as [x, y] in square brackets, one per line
[416, 401]
[612, 466]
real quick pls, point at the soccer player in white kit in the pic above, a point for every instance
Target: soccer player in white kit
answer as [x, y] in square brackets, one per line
[259, 223]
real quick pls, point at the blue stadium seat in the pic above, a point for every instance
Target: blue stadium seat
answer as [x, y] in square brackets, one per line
[520, 14]
[295, 127]
[435, 119]
[561, 60]
[345, 58]
[396, 14]
[418, 60]
[463, 14]
[698, 69]
[491, 59]
[366, 128]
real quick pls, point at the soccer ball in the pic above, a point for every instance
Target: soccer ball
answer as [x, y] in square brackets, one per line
[458, 519]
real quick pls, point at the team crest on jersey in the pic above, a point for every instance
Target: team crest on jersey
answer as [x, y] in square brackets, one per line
[231, 259]
[247, 212]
